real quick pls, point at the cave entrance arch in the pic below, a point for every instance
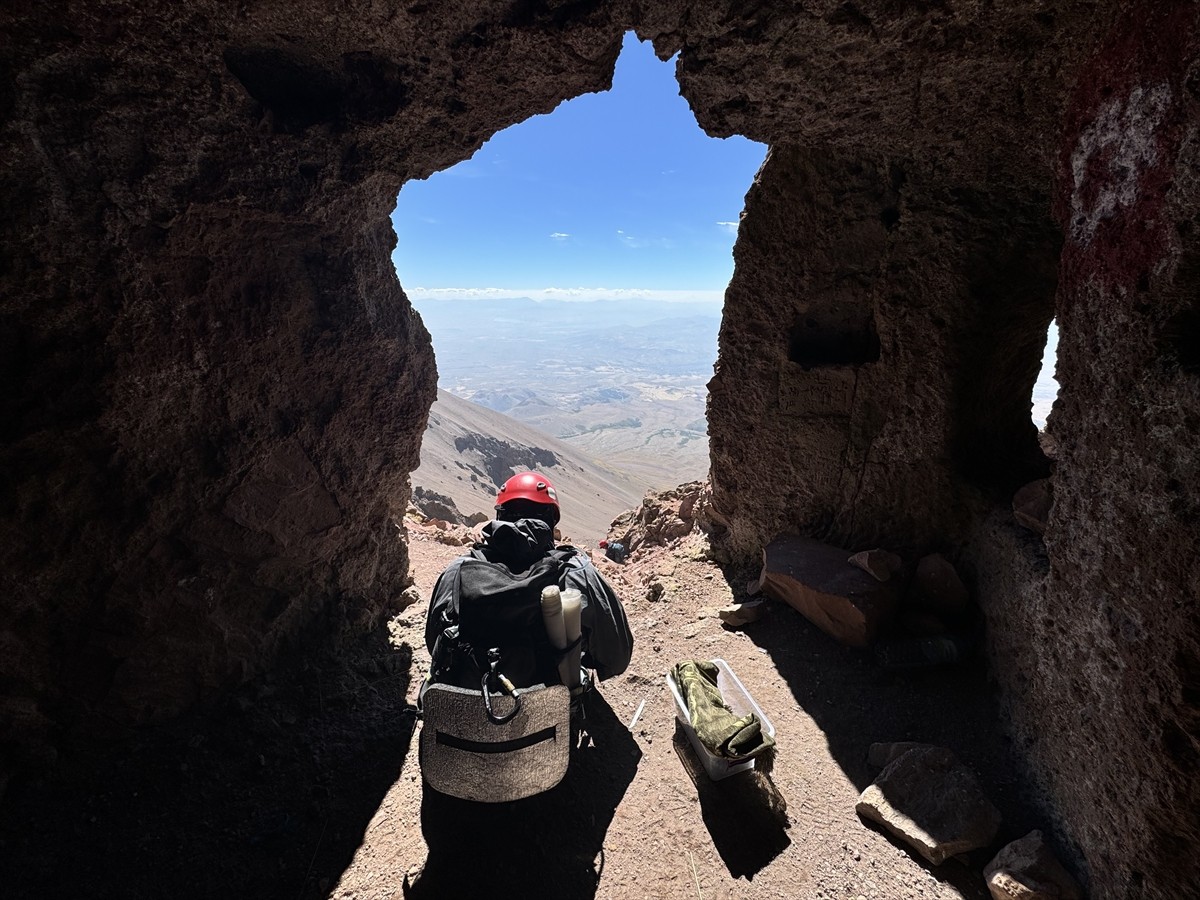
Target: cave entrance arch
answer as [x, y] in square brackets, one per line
[571, 274]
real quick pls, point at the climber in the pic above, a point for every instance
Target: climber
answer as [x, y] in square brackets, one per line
[521, 535]
[614, 550]
[500, 708]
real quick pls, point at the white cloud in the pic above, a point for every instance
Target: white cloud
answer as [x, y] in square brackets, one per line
[564, 293]
[559, 236]
[731, 227]
[639, 243]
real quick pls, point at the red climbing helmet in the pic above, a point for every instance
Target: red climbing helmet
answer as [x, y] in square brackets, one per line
[531, 486]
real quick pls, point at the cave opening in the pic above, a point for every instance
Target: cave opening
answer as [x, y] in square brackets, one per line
[1004, 359]
[571, 274]
[1045, 389]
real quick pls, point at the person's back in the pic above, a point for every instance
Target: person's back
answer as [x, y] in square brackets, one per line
[520, 537]
[500, 699]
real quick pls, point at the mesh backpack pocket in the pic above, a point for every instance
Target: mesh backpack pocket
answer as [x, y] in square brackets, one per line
[465, 755]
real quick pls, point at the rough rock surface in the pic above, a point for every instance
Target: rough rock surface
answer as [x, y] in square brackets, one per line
[662, 517]
[879, 564]
[930, 800]
[215, 387]
[938, 588]
[1031, 504]
[738, 614]
[1027, 870]
[433, 505]
[1095, 637]
[815, 579]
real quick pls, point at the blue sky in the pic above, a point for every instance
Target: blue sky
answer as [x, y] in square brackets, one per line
[610, 195]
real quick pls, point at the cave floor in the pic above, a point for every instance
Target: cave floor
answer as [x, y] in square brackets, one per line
[309, 786]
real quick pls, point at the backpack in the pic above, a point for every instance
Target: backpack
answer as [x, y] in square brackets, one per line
[493, 625]
[476, 743]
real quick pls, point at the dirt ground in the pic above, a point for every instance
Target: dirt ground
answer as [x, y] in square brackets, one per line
[309, 786]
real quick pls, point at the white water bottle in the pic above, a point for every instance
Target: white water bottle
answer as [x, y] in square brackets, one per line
[572, 613]
[556, 631]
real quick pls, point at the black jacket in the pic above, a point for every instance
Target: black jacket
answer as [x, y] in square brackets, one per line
[607, 640]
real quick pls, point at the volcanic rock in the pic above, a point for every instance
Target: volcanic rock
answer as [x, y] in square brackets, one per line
[738, 614]
[930, 800]
[815, 579]
[938, 588]
[662, 517]
[1031, 504]
[880, 564]
[1027, 870]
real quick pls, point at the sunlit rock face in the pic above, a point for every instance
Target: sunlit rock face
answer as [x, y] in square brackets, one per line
[215, 386]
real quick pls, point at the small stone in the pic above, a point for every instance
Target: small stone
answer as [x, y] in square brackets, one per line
[655, 591]
[409, 596]
[1031, 505]
[938, 588]
[934, 803]
[738, 614]
[879, 564]
[1027, 870]
[707, 612]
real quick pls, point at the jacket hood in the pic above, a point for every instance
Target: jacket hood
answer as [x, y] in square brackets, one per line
[517, 544]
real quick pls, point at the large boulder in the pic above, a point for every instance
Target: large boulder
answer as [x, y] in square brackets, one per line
[817, 580]
[932, 802]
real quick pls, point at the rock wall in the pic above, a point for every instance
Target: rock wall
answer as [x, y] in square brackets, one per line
[883, 332]
[216, 386]
[1096, 636]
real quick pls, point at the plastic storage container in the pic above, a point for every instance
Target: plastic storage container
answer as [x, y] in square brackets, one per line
[739, 701]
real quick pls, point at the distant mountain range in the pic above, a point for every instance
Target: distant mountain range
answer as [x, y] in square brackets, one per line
[621, 381]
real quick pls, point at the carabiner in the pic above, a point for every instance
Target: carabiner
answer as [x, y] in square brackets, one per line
[494, 659]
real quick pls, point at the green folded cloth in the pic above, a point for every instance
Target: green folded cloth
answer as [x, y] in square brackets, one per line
[719, 730]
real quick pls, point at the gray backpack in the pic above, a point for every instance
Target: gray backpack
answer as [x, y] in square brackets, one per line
[497, 724]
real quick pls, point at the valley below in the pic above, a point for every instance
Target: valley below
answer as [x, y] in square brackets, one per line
[615, 388]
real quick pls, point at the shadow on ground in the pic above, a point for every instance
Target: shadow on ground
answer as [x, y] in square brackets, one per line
[744, 813]
[856, 703]
[549, 845]
[267, 798]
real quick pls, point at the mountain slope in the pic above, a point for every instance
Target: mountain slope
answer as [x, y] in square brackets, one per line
[468, 451]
